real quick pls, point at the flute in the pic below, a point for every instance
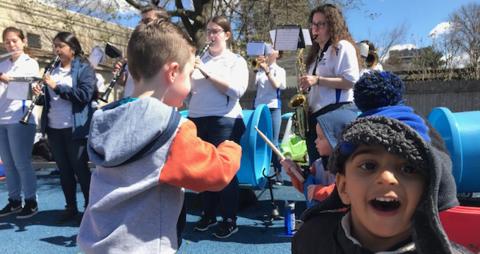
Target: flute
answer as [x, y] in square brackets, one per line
[278, 153]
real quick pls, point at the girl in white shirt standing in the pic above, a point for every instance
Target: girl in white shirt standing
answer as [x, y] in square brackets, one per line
[270, 80]
[332, 68]
[16, 139]
[221, 79]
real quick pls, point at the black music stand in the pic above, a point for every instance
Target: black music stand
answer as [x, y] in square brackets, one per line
[274, 214]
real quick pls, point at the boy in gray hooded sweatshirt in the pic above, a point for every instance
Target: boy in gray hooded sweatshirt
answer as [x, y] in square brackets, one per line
[146, 154]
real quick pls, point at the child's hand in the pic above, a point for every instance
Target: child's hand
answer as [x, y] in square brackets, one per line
[290, 166]
[287, 164]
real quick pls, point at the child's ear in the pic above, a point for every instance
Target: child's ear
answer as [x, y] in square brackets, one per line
[341, 183]
[172, 70]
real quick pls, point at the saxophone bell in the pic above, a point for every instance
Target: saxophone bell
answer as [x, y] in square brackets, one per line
[299, 102]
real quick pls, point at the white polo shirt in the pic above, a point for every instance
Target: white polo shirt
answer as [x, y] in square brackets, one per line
[11, 111]
[206, 99]
[338, 61]
[266, 93]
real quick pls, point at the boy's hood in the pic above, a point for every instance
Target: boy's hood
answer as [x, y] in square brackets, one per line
[333, 122]
[123, 129]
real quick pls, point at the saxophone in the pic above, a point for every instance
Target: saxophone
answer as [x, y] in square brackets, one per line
[299, 102]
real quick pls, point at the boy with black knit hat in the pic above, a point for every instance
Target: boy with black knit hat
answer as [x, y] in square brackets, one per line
[392, 178]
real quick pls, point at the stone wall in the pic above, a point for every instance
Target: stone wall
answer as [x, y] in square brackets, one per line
[457, 95]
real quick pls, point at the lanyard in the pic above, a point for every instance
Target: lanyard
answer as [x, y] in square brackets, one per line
[320, 57]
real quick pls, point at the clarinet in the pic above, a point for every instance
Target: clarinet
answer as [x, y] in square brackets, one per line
[204, 49]
[48, 70]
[112, 83]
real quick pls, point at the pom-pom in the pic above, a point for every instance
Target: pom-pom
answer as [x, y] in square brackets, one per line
[378, 89]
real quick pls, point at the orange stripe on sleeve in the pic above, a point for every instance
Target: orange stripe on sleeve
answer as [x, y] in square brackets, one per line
[321, 192]
[198, 165]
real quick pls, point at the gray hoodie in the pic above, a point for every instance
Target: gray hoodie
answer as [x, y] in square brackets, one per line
[130, 210]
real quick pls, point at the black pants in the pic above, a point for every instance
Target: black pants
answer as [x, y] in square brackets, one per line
[215, 130]
[72, 161]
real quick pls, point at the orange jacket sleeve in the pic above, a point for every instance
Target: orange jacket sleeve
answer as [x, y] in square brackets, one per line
[321, 192]
[198, 165]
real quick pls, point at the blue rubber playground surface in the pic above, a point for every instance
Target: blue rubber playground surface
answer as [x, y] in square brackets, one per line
[42, 234]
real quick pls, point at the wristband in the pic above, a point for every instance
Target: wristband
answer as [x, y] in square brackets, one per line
[268, 73]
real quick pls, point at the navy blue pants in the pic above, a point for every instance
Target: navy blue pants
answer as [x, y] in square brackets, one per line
[215, 130]
[72, 161]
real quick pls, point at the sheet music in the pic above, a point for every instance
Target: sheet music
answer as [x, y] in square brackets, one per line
[306, 37]
[255, 49]
[18, 90]
[96, 56]
[286, 38]
[272, 36]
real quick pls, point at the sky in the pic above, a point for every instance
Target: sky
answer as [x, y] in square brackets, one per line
[419, 16]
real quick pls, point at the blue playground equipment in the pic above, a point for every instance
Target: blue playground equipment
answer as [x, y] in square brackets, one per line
[2, 169]
[256, 155]
[461, 132]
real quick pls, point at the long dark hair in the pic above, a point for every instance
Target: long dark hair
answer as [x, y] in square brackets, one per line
[72, 41]
[337, 29]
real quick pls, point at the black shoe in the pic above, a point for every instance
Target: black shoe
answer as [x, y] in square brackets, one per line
[225, 229]
[13, 206]
[30, 209]
[204, 224]
[68, 215]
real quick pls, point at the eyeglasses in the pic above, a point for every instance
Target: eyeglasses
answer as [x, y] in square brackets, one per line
[318, 25]
[214, 31]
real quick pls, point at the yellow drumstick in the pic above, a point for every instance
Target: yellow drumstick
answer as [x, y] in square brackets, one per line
[278, 153]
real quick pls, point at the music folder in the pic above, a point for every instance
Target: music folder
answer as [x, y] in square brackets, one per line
[19, 88]
[255, 48]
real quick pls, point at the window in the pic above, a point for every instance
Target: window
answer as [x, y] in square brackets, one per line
[34, 41]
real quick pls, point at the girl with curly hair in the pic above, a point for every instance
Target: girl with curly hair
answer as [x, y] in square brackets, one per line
[332, 67]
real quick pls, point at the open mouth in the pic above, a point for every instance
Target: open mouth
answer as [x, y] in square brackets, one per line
[385, 204]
